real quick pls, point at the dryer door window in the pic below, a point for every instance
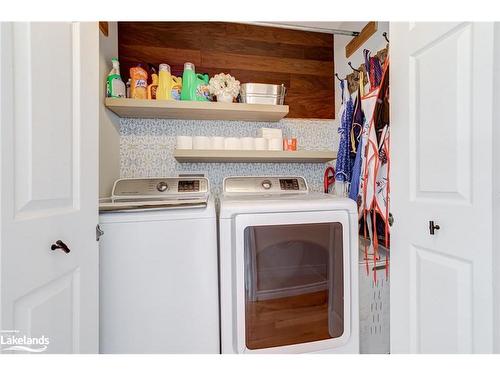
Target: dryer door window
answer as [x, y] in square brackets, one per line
[294, 284]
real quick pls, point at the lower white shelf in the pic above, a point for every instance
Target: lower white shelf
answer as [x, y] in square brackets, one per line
[252, 156]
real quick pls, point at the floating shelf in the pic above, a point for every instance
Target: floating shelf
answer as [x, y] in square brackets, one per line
[190, 110]
[244, 156]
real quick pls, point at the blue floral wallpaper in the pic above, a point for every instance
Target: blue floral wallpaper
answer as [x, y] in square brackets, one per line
[147, 145]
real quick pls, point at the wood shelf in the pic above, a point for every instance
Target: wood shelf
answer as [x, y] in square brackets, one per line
[244, 156]
[191, 110]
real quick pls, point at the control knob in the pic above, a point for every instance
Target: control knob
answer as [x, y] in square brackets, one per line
[266, 184]
[162, 186]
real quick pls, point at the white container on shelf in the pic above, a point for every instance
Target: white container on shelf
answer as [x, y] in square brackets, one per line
[217, 143]
[261, 143]
[248, 143]
[275, 144]
[270, 133]
[184, 142]
[232, 143]
[201, 143]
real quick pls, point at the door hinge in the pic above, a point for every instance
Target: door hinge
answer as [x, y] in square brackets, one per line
[98, 232]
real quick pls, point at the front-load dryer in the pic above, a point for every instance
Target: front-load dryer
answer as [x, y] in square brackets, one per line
[288, 268]
[158, 268]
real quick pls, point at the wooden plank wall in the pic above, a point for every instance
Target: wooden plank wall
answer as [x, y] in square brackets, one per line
[302, 60]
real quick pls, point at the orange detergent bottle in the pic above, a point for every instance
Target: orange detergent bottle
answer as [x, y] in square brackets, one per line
[139, 83]
[153, 87]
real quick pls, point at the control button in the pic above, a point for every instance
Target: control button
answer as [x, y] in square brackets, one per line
[266, 184]
[162, 186]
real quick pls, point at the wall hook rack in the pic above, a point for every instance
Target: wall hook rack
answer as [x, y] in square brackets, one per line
[337, 75]
[356, 70]
[384, 34]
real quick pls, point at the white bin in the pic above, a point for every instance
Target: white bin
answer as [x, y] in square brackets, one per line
[373, 304]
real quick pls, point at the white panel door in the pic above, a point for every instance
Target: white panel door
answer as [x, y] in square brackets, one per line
[49, 168]
[441, 120]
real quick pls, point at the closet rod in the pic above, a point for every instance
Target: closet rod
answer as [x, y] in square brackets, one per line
[304, 28]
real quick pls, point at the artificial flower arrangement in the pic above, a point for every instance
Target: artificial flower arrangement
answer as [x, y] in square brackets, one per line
[225, 87]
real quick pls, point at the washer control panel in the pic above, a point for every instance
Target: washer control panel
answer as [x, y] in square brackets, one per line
[168, 187]
[265, 185]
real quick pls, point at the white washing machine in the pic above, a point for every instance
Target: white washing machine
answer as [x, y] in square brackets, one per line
[288, 268]
[158, 268]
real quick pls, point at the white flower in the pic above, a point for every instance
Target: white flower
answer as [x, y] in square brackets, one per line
[224, 84]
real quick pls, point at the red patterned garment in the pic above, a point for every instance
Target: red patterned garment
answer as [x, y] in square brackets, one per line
[374, 183]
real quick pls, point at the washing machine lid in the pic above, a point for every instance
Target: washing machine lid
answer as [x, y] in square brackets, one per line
[140, 194]
[286, 194]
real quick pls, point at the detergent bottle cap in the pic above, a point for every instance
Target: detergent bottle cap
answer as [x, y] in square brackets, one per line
[189, 66]
[164, 68]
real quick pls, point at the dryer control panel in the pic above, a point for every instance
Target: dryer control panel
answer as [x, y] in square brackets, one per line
[265, 185]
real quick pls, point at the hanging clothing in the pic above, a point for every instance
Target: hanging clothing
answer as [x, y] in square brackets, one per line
[367, 156]
[356, 127]
[366, 56]
[361, 83]
[356, 176]
[361, 123]
[368, 151]
[373, 68]
[373, 196]
[382, 182]
[375, 72]
[358, 119]
[343, 164]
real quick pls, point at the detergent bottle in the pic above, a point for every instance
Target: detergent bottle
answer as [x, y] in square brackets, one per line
[164, 91]
[153, 87]
[139, 83]
[194, 86]
[176, 87]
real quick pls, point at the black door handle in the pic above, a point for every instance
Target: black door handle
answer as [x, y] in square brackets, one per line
[433, 227]
[60, 245]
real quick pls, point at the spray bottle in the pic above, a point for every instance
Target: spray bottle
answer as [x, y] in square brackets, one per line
[115, 88]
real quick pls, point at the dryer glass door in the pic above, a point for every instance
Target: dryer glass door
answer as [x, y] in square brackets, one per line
[294, 283]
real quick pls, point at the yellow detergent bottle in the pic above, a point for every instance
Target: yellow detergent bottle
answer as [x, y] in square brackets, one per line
[164, 91]
[176, 87]
[169, 86]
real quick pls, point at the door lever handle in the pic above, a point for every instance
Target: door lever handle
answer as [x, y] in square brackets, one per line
[60, 245]
[433, 227]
